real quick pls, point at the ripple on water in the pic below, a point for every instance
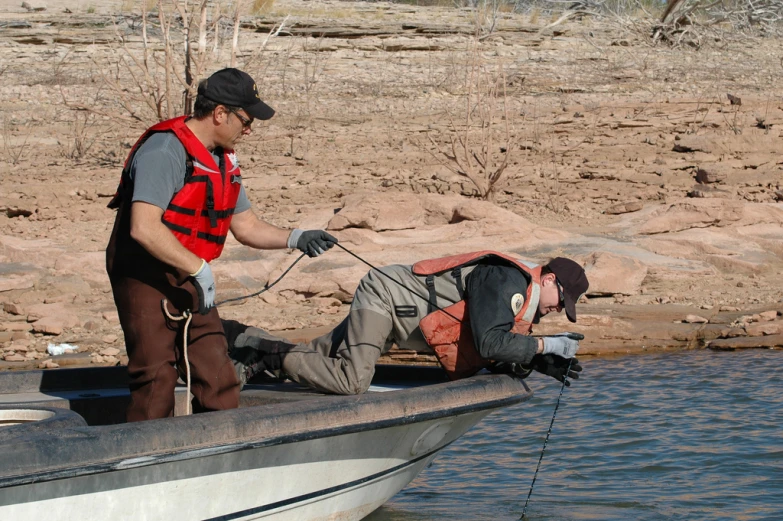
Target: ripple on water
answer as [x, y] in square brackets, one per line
[688, 436]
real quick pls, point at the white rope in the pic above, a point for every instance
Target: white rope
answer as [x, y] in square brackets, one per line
[186, 316]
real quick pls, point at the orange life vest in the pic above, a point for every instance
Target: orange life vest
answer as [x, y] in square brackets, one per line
[447, 331]
[199, 215]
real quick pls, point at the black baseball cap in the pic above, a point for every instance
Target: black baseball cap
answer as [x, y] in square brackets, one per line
[236, 88]
[572, 277]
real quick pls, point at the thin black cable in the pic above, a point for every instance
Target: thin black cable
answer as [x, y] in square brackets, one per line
[425, 299]
[269, 286]
[266, 287]
[546, 440]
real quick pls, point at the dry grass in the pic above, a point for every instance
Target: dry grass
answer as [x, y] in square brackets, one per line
[262, 6]
[15, 140]
[80, 137]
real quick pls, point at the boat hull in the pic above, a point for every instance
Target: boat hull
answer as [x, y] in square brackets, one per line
[322, 458]
[340, 477]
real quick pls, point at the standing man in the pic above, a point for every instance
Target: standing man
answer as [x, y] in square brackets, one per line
[180, 194]
[473, 310]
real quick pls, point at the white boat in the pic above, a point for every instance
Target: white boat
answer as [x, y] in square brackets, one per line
[286, 454]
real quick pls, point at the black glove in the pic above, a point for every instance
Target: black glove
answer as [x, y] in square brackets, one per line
[556, 367]
[311, 242]
[511, 368]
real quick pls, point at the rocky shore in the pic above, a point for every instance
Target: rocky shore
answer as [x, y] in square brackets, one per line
[627, 156]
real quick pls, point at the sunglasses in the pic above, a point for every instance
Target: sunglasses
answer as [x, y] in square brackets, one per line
[245, 122]
[562, 295]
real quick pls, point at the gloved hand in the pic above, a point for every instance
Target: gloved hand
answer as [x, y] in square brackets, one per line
[205, 286]
[511, 368]
[556, 367]
[311, 242]
[562, 344]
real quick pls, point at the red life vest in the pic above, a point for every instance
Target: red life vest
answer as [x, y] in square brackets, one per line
[199, 215]
[448, 332]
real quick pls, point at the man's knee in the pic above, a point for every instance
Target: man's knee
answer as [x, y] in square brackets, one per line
[152, 393]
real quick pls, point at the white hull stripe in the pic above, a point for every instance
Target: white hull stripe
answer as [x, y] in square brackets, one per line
[324, 492]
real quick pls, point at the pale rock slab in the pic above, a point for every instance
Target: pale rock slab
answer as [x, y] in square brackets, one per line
[693, 213]
[379, 212]
[18, 281]
[611, 274]
[765, 329]
[13, 309]
[621, 208]
[49, 326]
[56, 313]
[112, 317]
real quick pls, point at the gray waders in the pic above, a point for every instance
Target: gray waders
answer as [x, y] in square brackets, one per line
[342, 361]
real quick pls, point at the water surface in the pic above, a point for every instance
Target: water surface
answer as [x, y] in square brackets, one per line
[681, 436]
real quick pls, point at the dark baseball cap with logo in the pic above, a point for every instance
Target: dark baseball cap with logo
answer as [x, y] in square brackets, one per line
[236, 88]
[572, 278]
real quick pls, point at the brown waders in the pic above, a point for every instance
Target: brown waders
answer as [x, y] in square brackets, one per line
[154, 343]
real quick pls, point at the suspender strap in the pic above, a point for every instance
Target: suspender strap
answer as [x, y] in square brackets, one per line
[432, 302]
[457, 274]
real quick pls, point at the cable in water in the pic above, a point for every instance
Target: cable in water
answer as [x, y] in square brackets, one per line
[546, 440]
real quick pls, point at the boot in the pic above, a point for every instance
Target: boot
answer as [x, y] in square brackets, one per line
[254, 351]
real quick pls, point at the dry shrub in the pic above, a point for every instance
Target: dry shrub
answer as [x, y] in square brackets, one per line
[80, 139]
[302, 94]
[479, 132]
[486, 17]
[152, 72]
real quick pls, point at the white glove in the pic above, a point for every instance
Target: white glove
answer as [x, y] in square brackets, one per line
[563, 344]
[205, 286]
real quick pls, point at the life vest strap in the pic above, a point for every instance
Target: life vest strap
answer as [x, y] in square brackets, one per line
[217, 239]
[432, 301]
[180, 209]
[457, 274]
[176, 228]
[222, 214]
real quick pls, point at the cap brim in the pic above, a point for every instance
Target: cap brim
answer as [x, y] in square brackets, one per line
[260, 111]
[570, 307]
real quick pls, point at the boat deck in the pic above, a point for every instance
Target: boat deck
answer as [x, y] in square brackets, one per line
[100, 395]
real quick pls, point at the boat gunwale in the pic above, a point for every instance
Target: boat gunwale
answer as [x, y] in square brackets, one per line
[505, 389]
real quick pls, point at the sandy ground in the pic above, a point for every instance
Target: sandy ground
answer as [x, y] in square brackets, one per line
[625, 155]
